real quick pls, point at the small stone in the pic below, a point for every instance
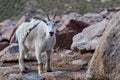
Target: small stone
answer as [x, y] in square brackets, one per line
[79, 62]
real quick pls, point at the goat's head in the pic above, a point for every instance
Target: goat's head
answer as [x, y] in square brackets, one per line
[51, 23]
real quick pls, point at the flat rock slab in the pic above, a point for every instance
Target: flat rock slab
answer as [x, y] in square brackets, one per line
[11, 53]
[32, 76]
[64, 75]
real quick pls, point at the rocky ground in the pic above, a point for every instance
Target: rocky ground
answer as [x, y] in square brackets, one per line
[66, 65]
[75, 55]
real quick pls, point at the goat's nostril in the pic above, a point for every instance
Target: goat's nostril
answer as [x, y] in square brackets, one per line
[51, 32]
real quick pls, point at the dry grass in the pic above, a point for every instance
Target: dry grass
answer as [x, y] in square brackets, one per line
[14, 8]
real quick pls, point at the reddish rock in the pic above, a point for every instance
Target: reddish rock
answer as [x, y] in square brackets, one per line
[64, 39]
[76, 25]
[67, 31]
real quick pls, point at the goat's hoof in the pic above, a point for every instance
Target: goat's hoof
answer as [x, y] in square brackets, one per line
[49, 70]
[40, 73]
[22, 68]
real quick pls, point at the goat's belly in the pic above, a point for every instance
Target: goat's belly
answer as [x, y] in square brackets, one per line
[30, 46]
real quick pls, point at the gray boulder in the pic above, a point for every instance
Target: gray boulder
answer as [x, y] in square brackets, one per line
[89, 38]
[105, 63]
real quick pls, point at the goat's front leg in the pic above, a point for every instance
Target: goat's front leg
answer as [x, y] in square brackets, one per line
[39, 61]
[48, 60]
[21, 63]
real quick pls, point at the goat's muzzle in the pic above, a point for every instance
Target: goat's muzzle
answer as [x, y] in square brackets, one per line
[51, 33]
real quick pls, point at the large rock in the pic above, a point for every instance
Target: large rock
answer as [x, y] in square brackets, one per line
[3, 45]
[3, 39]
[7, 28]
[9, 32]
[8, 70]
[64, 39]
[89, 38]
[7, 23]
[62, 24]
[11, 53]
[65, 19]
[67, 28]
[67, 31]
[105, 63]
[91, 18]
[14, 76]
[76, 25]
[64, 75]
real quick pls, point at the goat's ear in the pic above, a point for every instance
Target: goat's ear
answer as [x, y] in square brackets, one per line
[57, 22]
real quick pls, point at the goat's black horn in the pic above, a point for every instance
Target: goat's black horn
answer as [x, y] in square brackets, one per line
[54, 16]
[48, 17]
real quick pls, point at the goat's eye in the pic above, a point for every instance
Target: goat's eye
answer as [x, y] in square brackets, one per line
[48, 23]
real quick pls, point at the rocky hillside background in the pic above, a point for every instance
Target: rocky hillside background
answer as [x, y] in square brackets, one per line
[87, 45]
[15, 8]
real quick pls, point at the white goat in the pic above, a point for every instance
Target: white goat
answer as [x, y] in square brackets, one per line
[41, 38]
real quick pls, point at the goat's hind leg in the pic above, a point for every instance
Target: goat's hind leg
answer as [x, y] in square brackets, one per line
[21, 58]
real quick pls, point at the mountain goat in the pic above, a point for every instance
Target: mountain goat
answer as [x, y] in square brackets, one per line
[41, 38]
